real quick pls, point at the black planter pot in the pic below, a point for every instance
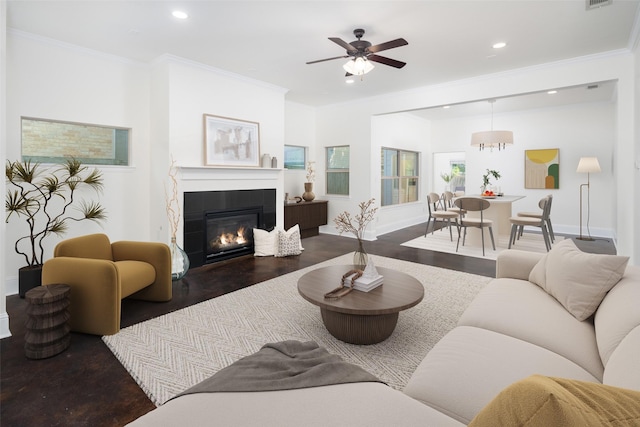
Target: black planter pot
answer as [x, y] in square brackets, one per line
[28, 278]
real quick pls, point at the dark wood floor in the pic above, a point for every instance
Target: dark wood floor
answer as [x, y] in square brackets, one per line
[86, 385]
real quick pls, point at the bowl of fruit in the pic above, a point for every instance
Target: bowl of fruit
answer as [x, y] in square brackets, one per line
[488, 194]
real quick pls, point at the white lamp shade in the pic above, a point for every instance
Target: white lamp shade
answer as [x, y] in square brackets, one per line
[492, 138]
[588, 165]
[358, 66]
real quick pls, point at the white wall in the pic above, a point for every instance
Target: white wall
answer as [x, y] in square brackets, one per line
[300, 130]
[405, 132]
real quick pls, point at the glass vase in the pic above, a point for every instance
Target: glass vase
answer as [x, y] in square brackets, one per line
[360, 257]
[179, 261]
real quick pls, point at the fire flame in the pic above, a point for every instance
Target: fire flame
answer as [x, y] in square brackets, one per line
[226, 239]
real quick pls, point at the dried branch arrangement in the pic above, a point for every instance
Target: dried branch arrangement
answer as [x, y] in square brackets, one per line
[356, 225]
[311, 172]
[173, 207]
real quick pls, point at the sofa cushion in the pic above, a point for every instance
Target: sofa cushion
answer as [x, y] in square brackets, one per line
[577, 279]
[543, 401]
[469, 366]
[623, 364]
[618, 314]
[134, 275]
[532, 314]
[357, 404]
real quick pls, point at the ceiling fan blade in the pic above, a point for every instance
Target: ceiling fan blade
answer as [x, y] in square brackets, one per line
[344, 44]
[386, 61]
[328, 59]
[388, 45]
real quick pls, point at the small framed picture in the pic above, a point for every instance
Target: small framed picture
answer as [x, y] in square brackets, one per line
[231, 142]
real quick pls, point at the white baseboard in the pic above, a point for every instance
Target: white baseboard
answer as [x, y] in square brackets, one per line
[4, 325]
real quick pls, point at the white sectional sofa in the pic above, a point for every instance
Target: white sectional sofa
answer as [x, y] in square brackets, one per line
[512, 330]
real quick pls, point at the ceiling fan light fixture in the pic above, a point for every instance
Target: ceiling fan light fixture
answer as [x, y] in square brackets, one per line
[358, 66]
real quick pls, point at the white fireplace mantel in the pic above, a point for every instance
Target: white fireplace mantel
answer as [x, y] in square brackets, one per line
[208, 173]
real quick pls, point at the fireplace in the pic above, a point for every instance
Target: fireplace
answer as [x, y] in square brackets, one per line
[230, 232]
[212, 222]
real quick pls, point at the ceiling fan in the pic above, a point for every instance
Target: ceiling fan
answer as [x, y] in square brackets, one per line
[362, 52]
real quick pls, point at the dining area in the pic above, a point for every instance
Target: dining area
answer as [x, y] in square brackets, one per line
[482, 225]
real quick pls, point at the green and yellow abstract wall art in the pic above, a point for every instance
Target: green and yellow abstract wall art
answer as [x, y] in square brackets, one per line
[542, 168]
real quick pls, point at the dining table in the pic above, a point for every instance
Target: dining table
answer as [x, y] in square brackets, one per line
[499, 211]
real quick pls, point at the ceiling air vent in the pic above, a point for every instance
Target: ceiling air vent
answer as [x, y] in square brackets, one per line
[595, 4]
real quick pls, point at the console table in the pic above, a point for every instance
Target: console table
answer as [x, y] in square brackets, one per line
[308, 215]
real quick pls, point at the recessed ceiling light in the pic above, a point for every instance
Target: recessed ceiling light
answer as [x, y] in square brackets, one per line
[446, 106]
[499, 45]
[552, 92]
[180, 14]
[349, 81]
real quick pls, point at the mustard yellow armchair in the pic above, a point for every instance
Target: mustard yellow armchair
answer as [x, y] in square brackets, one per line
[102, 273]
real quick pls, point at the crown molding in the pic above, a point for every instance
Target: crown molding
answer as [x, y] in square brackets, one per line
[218, 71]
[73, 47]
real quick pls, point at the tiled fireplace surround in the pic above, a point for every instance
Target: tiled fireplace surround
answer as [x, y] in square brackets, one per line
[214, 190]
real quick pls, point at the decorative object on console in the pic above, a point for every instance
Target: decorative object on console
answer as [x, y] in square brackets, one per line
[179, 258]
[542, 168]
[345, 223]
[492, 138]
[231, 142]
[34, 198]
[587, 165]
[308, 195]
[266, 160]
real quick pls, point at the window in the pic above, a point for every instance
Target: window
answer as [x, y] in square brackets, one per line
[295, 157]
[48, 141]
[338, 170]
[399, 176]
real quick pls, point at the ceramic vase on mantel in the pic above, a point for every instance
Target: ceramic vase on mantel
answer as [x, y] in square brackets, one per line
[179, 261]
[308, 195]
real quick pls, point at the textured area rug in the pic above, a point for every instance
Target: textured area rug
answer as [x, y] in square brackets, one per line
[440, 242]
[173, 352]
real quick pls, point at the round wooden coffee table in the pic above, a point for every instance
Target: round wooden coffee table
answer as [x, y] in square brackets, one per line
[361, 317]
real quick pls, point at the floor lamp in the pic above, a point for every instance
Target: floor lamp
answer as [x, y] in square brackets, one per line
[586, 165]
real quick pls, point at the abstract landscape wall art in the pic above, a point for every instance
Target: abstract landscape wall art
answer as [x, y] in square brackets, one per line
[542, 168]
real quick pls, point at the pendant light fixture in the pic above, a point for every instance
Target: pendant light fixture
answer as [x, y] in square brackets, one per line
[492, 138]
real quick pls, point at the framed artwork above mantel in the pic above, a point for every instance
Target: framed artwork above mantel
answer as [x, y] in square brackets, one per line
[231, 142]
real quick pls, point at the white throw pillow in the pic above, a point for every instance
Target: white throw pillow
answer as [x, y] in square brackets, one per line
[578, 280]
[264, 242]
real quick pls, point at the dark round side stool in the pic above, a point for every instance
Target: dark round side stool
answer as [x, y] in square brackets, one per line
[47, 328]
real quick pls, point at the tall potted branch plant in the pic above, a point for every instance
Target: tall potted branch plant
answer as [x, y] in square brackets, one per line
[44, 198]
